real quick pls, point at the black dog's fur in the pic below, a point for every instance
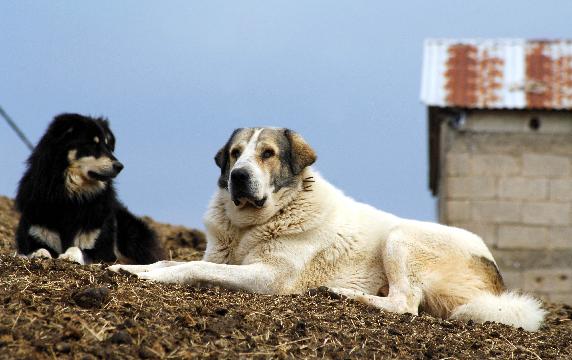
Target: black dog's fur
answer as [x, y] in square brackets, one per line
[44, 199]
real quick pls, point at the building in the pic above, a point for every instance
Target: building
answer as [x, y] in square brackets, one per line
[500, 144]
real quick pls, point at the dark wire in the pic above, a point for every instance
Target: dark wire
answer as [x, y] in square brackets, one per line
[16, 129]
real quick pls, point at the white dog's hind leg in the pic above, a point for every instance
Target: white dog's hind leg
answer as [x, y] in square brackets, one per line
[136, 269]
[73, 254]
[398, 303]
[40, 253]
[404, 296]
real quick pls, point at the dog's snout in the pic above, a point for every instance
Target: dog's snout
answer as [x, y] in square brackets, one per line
[117, 166]
[239, 176]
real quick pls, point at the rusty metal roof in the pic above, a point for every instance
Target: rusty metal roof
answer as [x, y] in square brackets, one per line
[499, 73]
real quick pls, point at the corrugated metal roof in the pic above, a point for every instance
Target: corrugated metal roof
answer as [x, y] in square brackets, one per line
[499, 73]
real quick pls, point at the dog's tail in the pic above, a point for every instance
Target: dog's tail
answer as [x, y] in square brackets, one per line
[508, 308]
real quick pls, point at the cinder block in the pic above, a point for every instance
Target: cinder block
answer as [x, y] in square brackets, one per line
[560, 238]
[561, 190]
[515, 122]
[471, 187]
[496, 123]
[457, 210]
[496, 212]
[521, 237]
[548, 280]
[546, 213]
[540, 296]
[523, 188]
[457, 164]
[487, 164]
[545, 165]
[513, 279]
[560, 298]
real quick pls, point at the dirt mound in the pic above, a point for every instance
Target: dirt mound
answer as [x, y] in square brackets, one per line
[180, 242]
[8, 221]
[55, 309]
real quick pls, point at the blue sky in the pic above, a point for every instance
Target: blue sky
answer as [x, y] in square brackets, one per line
[176, 77]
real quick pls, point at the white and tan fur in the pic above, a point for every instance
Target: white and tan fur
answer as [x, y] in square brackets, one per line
[310, 234]
[77, 179]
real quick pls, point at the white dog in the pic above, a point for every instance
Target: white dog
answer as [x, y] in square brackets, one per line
[275, 226]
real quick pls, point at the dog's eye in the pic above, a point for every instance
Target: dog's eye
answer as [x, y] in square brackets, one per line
[268, 154]
[235, 153]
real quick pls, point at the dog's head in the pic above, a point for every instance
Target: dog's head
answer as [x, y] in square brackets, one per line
[257, 163]
[87, 144]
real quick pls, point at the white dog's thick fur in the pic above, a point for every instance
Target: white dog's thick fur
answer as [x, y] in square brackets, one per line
[507, 308]
[309, 234]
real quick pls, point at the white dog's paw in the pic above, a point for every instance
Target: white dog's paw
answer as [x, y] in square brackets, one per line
[133, 269]
[166, 276]
[137, 269]
[40, 254]
[114, 268]
[73, 254]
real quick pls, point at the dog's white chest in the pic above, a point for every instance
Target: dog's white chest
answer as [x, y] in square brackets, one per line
[47, 236]
[241, 250]
[86, 240]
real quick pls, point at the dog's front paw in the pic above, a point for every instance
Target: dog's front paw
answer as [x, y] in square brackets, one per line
[133, 269]
[40, 254]
[73, 254]
[136, 269]
[166, 276]
[114, 268]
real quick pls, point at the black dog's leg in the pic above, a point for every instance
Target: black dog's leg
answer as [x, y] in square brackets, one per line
[135, 239]
[103, 250]
[27, 244]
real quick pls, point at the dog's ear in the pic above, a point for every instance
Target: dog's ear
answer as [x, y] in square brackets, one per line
[301, 154]
[63, 126]
[104, 123]
[219, 158]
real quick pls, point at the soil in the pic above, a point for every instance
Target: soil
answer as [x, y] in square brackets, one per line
[55, 309]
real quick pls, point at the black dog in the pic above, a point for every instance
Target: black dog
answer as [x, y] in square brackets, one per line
[68, 204]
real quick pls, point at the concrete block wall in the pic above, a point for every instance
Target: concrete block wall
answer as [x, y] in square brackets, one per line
[512, 185]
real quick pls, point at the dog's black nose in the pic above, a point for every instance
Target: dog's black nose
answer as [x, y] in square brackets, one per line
[260, 203]
[117, 166]
[239, 177]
